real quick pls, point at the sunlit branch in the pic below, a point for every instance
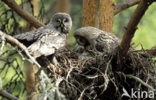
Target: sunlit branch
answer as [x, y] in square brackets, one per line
[28, 17]
[5, 94]
[131, 28]
[14, 41]
[122, 6]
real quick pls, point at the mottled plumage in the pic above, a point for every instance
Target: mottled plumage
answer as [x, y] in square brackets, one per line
[47, 39]
[95, 39]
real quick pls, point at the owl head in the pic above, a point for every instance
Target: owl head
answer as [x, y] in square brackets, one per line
[62, 22]
[86, 36]
[94, 39]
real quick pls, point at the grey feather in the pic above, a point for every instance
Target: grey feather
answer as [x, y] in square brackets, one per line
[96, 39]
[47, 39]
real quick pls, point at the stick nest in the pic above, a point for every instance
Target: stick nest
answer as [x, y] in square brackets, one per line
[97, 77]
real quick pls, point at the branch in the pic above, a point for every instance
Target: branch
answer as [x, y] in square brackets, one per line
[14, 41]
[152, 51]
[122, 6]
[141, 81]
[132, 26]
[7, 95]
[28, 17]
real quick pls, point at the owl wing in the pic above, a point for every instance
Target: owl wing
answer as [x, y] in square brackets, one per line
[29, 37]
[47, 45]
[106, 42]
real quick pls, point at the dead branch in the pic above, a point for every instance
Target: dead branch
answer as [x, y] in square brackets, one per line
[7, 95]
[14, 41]
[141, 81]
[122, 6]
[132, 26]
[152, 51]
[28, 17]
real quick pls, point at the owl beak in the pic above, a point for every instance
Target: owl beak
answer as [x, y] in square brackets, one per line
[63, 29]
[62, 25]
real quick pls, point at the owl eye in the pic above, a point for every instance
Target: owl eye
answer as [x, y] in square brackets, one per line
[80, 41]
[65, 20]
[58, 20]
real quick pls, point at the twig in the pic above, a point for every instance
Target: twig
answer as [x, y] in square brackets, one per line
[7, 95]
[151, 51]
[132, 25]
[122, 6]
[141, 81]
[82, 93]
[14, 41]
[2, 43]
[28, 17]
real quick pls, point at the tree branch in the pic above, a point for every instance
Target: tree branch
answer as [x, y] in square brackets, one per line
[28, 17]
[7, 95]
[14, 41]
[132, 25]
[122, 6]
[152, 51]
[141, 81]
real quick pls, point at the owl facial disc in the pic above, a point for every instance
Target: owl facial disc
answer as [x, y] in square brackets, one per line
[62, 22]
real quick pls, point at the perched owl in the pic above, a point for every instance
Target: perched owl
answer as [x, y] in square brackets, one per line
[95, 39]
[47, 39]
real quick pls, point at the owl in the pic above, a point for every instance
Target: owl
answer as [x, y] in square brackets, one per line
[93, 39]
[47, 39]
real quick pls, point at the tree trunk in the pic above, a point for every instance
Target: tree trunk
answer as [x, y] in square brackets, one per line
[98, 13]
[31, 81]
[63, 6]
[35, 7]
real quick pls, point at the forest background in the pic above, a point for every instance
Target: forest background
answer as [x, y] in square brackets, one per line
[12, 24]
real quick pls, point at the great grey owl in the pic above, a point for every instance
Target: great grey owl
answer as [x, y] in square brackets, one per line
[95, 39]
[47, 39]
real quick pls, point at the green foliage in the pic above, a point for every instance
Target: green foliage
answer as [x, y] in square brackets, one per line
[11, 64]
[12, 71]
[145, 35]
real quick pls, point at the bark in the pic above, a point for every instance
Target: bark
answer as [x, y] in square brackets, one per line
[28, 17]
[98, 13]
[7, 95]
[63, 6]
[31, 81]
[122, 6]
[130, 30]
[35, 7]
[152, 51]
[132, 25]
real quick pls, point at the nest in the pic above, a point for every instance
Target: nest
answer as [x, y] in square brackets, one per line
[97, 77]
